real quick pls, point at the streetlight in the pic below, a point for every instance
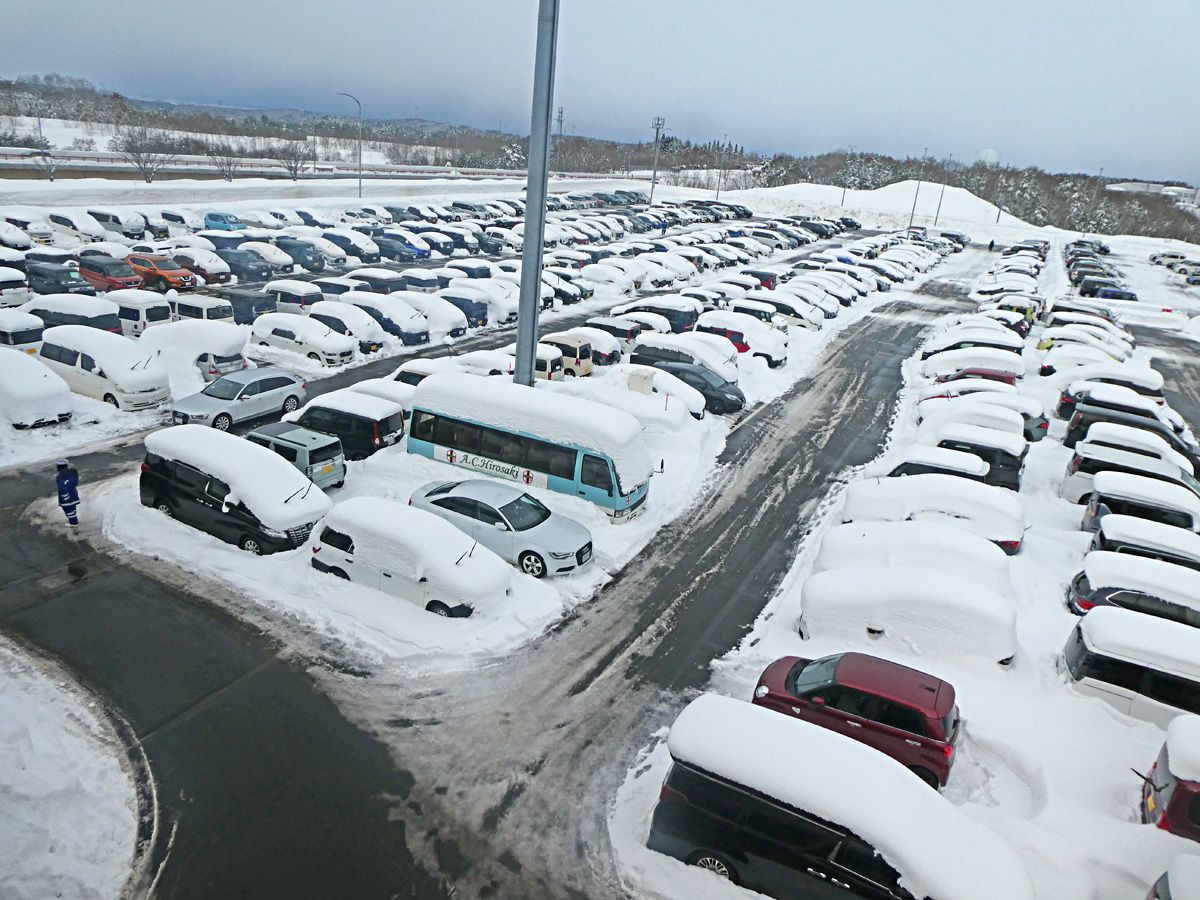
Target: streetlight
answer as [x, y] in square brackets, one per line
[657, 124]
[943, 193]
[355, 99]
[724, 161]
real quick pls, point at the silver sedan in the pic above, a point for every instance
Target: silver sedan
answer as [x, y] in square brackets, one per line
[510, 523]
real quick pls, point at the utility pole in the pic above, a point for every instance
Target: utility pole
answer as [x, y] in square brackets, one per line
[558, 146]
[1096, 196]
[940, 196]
[535, 191]
[657, 124]
[724, 162]
[843, 203]
[917, 192]
[355, 99]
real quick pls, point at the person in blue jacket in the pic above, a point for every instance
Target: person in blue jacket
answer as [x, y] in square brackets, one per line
[67, 479]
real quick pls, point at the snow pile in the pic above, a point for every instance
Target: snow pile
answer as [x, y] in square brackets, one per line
[69, 822]
[30, 394]
[989, 511]
[178, 345]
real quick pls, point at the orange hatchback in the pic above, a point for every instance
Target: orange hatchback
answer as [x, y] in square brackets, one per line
[161, 273]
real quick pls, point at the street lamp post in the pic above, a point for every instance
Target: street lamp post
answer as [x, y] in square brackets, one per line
[658, 124]
[355, 99]
[724, 162]
[941, 195]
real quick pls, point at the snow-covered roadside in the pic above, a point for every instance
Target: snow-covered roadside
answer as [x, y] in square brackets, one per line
[1045, 767]
[67, 808]
[93, 423]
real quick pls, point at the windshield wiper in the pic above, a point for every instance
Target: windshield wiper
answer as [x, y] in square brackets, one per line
[297, 491]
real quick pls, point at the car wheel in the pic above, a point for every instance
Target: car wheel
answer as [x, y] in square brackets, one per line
[532, 564]
[926, 776]
[569, 373]
[222, 422]
[314, 357]
[109, 398]
[341, 483]
[165, 508]
[438, 608]
[290, 405]
[250, 545]
[338, 573]
[715, 863]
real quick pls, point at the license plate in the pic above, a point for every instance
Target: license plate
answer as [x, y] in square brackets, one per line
[587, 554]
[325, 470]
[30, 351]
[180, 419]
[1149, 803]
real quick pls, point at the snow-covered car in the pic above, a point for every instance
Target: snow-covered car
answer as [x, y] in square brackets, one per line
[204, 264]
[390, 311]
[31, 395]
[732, 760]
[20, 331]
[442, 317]
[105, 366]
[352, 321]
[14, 287]
[270, 254]
[260, 219]
[410, 554]
[292, 296]
[747, 334]
[606, 348]
[652, 381]
[300, 334]
[687, 348]
[1154, 587]
[330, 252]
[509, 522]
[949, 363]
[963, 337]
[932, 414]
[1066, 357]
[77, 226]
[13, 237]
[211, 348]
[983, 509]
[230, 488]
[929, 545]
[911, 607]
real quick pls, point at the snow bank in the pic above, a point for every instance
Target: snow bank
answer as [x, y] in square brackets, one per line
[30, 394]
[69, 821]
[1183, 747]
[178, 345]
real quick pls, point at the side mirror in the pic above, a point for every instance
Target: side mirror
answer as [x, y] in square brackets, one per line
[500, 526]
[225, 507]
[818, 701]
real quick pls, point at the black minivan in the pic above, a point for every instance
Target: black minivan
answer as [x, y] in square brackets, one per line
[55, 278]
[360, 434]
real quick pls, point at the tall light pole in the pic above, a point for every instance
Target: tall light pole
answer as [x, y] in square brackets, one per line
[917, 192]
[535, 191]
[1096, 196]
[940, 196]
[843, 203]
[355, 99]
[724, 161]
[657, 124]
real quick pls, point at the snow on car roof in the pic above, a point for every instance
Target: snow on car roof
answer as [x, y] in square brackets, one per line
[1161, 493]
[943, 457]
[1144, 640]
[30, 391]
[666, 301]
[349, 400]
[278, 493]
[722, 360]
[915, 831]
[1183, 752]
[925, 544]
[942, 430]
[576, 421]
[1165, 580]
[388, 389]
[543, 351]
[599, 339]
[195, 335]
[306, 288]
[417, 544]
[950, 361]
[80, 304]
[965, 411]
[1150, 534]
[1142, 376]
[1113, 395]
[923, 610]
[1019, 403]
[985, 509]
[309, 329]
[370, 272]
[13, 319]
[997, 335]
[136, 297]
[744, 322]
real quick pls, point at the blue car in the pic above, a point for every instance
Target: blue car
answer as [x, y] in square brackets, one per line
[219, 221]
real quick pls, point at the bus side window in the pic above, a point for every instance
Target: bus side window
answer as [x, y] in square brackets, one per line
[422, 426]
[595, 473]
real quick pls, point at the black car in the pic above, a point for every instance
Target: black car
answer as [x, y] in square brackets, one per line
[1090, 286]
[395, 250]
[248, 304]
[720, 396]
[344, 243]
[245, 265]
[53, 278]
[1085, 416]
[302, 253]
[854, 224]
[361, 435]
[402, 215]
[488, 244]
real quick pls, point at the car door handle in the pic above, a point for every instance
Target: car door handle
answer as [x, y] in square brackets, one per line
[386, 575]
[912, 743]
[812, 871]
[840, 884]
[854, 724]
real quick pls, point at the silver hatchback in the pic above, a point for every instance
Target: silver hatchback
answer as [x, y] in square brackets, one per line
[238, 396]
[510, 523]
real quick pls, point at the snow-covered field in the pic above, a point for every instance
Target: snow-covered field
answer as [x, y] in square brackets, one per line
[1047, 768]
[67, 809]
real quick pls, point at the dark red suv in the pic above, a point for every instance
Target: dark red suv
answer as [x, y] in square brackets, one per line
[106, 274]
[899, 711]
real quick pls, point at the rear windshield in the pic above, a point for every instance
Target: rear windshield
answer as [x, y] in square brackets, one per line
[324, 454]
[220, 312]
[108, 322]
[226, 360]
[393, 424]
[26, 336]
[158, 313]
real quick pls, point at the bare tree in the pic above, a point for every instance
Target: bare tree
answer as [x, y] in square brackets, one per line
[293, 156]
[44, 161]
[226, 158]
[143, 148]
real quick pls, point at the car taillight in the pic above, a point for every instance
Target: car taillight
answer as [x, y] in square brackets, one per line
[1074, 464]
[948, 751]
[375, 439]
[316, 549]
[1066, 399]
[1085, 605]
[145, 468]
[1075, 420]
[212, 370]
[1010, 545]
[669, 793]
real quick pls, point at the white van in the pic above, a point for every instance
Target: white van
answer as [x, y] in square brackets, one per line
[139, 309]
[576, 352]
[299, 334]
[292, 296]
[606, 348]
[105, 366]
[1144, 666]
[200, 306]
[20, 330]
[14, 288]
[410, 554]
[80, 226]
[548, 366]
[130, 224]
[1090, 459]
[30, 394]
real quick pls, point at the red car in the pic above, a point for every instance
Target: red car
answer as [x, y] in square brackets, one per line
[906, 714]
[1171, 792]
[988, 374]
[194, 263]
[107, 274]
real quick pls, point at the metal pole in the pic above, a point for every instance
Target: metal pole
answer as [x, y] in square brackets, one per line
[724, 162]
[658, 124]
[940, 196]
[355, 99]
[535, 191]
[916, 194]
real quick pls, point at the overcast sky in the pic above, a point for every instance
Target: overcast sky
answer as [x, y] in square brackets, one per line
[1068, 86]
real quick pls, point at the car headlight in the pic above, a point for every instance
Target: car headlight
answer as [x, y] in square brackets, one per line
[198, 416]
[567, 555]
[274, 532]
